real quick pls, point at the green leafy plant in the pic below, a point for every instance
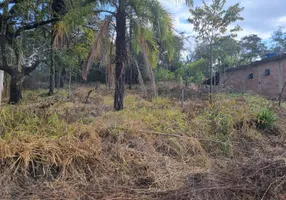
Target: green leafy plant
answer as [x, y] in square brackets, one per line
[164, 75]
[266, 119]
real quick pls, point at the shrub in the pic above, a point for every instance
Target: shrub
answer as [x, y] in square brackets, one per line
[164, 75]
[266, 119]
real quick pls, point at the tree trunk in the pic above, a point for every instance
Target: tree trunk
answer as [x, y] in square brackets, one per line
[62, 78]
[57, 77]
[130, 77]
[52, 75]
[70, 80]
[211, 73]
[52, 66]
[15, 87]
[131, 55]
[120, 55]
[1, 84]
[281, 94]
[110, 72]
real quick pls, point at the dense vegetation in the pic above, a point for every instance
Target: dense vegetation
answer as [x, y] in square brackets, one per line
[65, 40]
[99, 104]
[61, 147]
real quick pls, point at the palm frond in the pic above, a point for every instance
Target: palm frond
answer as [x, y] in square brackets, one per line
[151, 15]
[140, 79]
[60, 35]
[149, 50]
[96, 46]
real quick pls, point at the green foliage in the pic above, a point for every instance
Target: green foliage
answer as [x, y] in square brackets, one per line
[210, 21]
[252, 48]
[220, 118]
[226, 51]
[76, 16]
[279, 40]
[266, 119]
[164, 75]
[21, 120]
[191, 72]
[151, 26]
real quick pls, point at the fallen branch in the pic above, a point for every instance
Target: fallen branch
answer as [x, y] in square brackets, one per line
[89, 92]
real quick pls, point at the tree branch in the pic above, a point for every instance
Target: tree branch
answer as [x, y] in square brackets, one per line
[5, 3]
[5, 67]
[34, 25]
[28, 70]
[106, 11]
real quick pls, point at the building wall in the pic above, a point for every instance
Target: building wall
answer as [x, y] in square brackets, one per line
[270, 86]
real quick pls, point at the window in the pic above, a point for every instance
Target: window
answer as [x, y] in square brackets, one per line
[267, 72]
[250, 76]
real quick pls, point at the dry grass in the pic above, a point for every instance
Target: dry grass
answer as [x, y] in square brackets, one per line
[61, 148]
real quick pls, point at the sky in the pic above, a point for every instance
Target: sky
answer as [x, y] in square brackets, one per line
[261, 17]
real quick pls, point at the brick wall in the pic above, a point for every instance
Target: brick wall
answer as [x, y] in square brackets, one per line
[270, 86]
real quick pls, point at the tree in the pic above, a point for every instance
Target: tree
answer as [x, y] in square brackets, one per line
[175, 62]
[72, 27]
[16, 18]
[227, 53]
[149, 21]
[191, 72]
[58, 8]
[212, 21]
[279, 40]
[252, 48]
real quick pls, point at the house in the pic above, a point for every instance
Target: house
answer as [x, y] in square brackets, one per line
[266, 77]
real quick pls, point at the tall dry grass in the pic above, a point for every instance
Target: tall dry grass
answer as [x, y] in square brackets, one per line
[61, 148]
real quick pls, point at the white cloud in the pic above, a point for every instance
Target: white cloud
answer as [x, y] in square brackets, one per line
[281, 21]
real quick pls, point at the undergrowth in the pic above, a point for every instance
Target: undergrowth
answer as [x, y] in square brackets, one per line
[60, 147]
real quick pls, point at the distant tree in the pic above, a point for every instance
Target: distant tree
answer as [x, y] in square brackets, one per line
[252, 48]
[175, 61]
[202, 51]
[211, 21]
[227, 53]
[278, 40]
[191, 72]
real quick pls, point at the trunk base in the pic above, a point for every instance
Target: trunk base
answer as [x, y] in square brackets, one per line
[15, 90]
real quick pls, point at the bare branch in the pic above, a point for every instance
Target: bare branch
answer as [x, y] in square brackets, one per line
[28, 70]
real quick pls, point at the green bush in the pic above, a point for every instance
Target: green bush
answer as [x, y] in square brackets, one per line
[164, 75]
[266, 119]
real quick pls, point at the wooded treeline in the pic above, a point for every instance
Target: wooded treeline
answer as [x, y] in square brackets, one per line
[119, 42]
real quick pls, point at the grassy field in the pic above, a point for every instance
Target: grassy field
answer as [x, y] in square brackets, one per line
[64, 148]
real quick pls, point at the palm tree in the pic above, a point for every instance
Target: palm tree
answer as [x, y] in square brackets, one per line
[58, 8]
[151, 24]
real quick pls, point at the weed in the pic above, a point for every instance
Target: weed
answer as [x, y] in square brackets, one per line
[266, 119]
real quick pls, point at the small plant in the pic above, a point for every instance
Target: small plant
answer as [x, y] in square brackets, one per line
[266, 119]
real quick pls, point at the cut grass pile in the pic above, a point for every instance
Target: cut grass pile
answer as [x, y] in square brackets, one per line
[61, 148]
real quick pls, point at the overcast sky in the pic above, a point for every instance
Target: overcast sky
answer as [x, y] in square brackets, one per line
[261, 17]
